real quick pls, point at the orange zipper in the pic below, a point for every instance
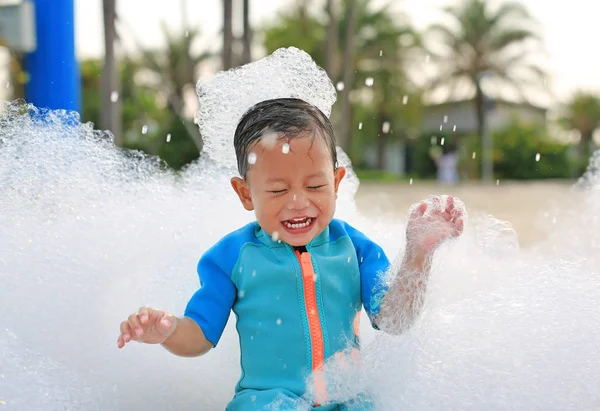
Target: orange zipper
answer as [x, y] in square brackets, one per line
[314, 325]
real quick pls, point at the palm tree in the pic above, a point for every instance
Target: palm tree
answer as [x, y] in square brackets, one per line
[227, 34]
[582, 113]
[247, 34]
[175, 67]
[111, 104]
[344, 135]
[331, 66]
[371, 42]
[480, 42]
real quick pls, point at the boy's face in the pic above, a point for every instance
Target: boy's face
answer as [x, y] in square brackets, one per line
[292, 188]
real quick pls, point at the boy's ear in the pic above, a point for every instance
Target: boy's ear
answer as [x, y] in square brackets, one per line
[338, 176]
[243, 191]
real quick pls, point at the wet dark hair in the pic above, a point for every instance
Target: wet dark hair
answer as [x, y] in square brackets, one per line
[289, 117]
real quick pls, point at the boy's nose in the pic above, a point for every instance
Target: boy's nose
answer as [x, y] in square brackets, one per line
[297, 202]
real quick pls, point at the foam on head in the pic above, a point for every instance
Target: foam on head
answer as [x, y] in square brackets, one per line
[287, 73]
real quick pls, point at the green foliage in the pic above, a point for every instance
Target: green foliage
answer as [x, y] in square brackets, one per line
[139, 107]
[377, 175]
[515, 151]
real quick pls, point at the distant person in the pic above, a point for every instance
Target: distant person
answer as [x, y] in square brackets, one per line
[446, 160]
[296, 278]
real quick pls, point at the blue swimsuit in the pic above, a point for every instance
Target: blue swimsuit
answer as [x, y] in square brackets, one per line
[294, 309]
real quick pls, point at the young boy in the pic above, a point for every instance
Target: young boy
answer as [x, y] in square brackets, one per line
[296, 278]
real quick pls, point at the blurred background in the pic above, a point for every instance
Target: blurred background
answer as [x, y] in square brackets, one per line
[497, 102]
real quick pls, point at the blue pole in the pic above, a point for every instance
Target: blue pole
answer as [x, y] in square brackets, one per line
[54, 79]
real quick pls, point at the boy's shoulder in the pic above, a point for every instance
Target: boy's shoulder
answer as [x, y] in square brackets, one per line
[228, 247]
[340, 228]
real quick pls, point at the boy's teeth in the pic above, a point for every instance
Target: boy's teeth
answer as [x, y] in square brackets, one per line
[306, 223]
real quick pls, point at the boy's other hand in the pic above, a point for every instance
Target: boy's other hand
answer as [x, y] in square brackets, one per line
[426, 231]
[148, 325]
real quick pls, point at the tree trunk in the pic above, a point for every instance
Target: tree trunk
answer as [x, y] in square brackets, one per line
[227, 34]
[332, 41]
[382, 141]
[487, 156]
[111, 102]
[584, 147]
[348, 64]
[247, 35]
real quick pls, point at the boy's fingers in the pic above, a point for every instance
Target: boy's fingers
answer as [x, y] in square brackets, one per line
[135, 325]
[125, 332]
[144, 314]
[167, 324]
[419, 210]
[120, 342]
[450, 204]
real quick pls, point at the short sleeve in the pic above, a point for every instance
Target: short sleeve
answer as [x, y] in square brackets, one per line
[211, 304]
[373, 265]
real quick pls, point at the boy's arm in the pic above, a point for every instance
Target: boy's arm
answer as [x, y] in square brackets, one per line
[187, 340]
[405, 298]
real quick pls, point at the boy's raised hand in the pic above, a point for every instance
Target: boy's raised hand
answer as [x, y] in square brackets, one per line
[425, 231]
[148, 325]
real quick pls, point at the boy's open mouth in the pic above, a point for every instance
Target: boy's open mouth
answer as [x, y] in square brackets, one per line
[300, 224]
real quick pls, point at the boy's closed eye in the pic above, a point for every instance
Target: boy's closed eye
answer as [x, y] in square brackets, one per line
[281, 191]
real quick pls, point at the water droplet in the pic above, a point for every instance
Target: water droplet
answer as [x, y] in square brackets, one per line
[285, 148]
[445, 119]
[241, 294]
[369, 81]
[275, 236]
[360, 125]
[8, 84]
[168, 139]
[386, 127]
[114, 96]
[252, 158]
[442, 141]
[474, 155]
[253, 398]
[378, 255]
[278, 321]
[497, 182]
[363, 258]
[187, 33]
[441, 127]
[253, 273]
[433, 140]
[410, 182]
[537, 157]
[405, 99]
[285, 366]
[349, 258]
[454, 128]
[240, 269]
[340, 86]
[251, 337]
[380, 53]
[144, 129]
